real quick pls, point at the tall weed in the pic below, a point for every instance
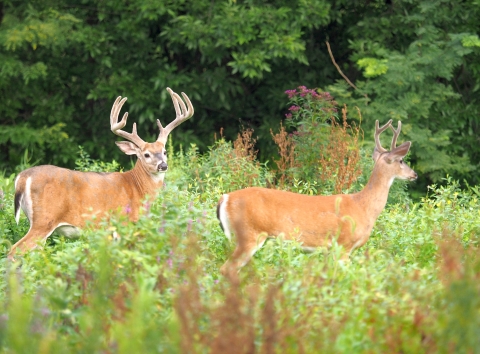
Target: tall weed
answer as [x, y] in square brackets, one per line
[225, 168]
[322, 150]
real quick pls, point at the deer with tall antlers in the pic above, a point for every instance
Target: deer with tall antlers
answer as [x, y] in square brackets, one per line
[255, 214]
[55, 198]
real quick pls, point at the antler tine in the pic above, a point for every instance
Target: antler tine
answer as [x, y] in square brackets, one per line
[396, 133]
[379, 131]
[116, 126]
[117, 106]
[182, 114]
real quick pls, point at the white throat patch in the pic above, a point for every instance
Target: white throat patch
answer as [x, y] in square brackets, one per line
[391, 182]
[158, 177]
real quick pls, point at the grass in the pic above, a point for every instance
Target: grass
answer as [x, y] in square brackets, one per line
[413, 288]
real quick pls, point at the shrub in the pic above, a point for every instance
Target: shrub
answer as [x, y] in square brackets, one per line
[321, 148]
[85, 163]
[225, 168]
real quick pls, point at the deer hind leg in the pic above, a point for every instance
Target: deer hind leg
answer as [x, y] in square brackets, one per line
[23, 201]
[30, 241]
[244, 251]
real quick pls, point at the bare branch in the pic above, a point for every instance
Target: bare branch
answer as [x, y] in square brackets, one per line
[340, 70]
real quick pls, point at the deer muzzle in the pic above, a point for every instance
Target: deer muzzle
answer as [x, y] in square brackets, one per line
[162, 166]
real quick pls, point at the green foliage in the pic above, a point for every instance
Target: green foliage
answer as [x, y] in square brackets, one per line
[9, 230]
[254, 34]
[63, 64]
[310, 116]
[412, 288]
[418, 61]
[85, 163]
[322, 150]
[222, 169]
[373, 67]
[471, 41]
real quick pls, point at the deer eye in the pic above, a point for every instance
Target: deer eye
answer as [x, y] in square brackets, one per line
[147, 155]
[165, 153]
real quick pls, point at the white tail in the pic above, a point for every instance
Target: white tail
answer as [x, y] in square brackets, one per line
[254, 214]
[55, 198]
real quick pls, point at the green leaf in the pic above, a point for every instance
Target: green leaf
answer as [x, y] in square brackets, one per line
[471, 41]
[373, 67]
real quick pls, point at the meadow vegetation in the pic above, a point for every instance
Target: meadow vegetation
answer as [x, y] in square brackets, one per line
[413, 288]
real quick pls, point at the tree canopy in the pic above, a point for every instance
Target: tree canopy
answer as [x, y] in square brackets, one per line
[63, 63]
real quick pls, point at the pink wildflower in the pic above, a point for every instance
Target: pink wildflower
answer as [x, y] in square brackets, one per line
[290, 93]
[147, 207]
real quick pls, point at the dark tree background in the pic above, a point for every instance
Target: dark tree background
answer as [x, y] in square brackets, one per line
[63, 63]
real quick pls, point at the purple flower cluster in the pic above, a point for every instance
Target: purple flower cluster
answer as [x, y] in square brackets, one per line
[293, 109]
[303, 91]
[305, 102]
[291, 93]
[326, 96]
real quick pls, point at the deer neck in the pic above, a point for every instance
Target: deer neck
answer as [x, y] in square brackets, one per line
[145, 182]
[374, 195]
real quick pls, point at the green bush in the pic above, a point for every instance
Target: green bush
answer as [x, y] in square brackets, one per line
[221, 170]
[412, 288]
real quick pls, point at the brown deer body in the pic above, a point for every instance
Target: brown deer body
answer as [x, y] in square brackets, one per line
[55, 198]
[254, 214]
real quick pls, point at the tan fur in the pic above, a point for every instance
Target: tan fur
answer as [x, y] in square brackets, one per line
[96, 194]
[63, 199]
[257, 213]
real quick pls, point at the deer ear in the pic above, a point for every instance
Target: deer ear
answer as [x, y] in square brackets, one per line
[127, 147]
[399, 152]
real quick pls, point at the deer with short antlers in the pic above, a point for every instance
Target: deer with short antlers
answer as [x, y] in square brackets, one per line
[255, 214]
[55, 198]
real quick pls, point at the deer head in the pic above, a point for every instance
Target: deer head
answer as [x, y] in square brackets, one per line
[152, 155]
[392, 161]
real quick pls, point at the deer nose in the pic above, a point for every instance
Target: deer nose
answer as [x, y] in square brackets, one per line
[414, 177]
[162, 166]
